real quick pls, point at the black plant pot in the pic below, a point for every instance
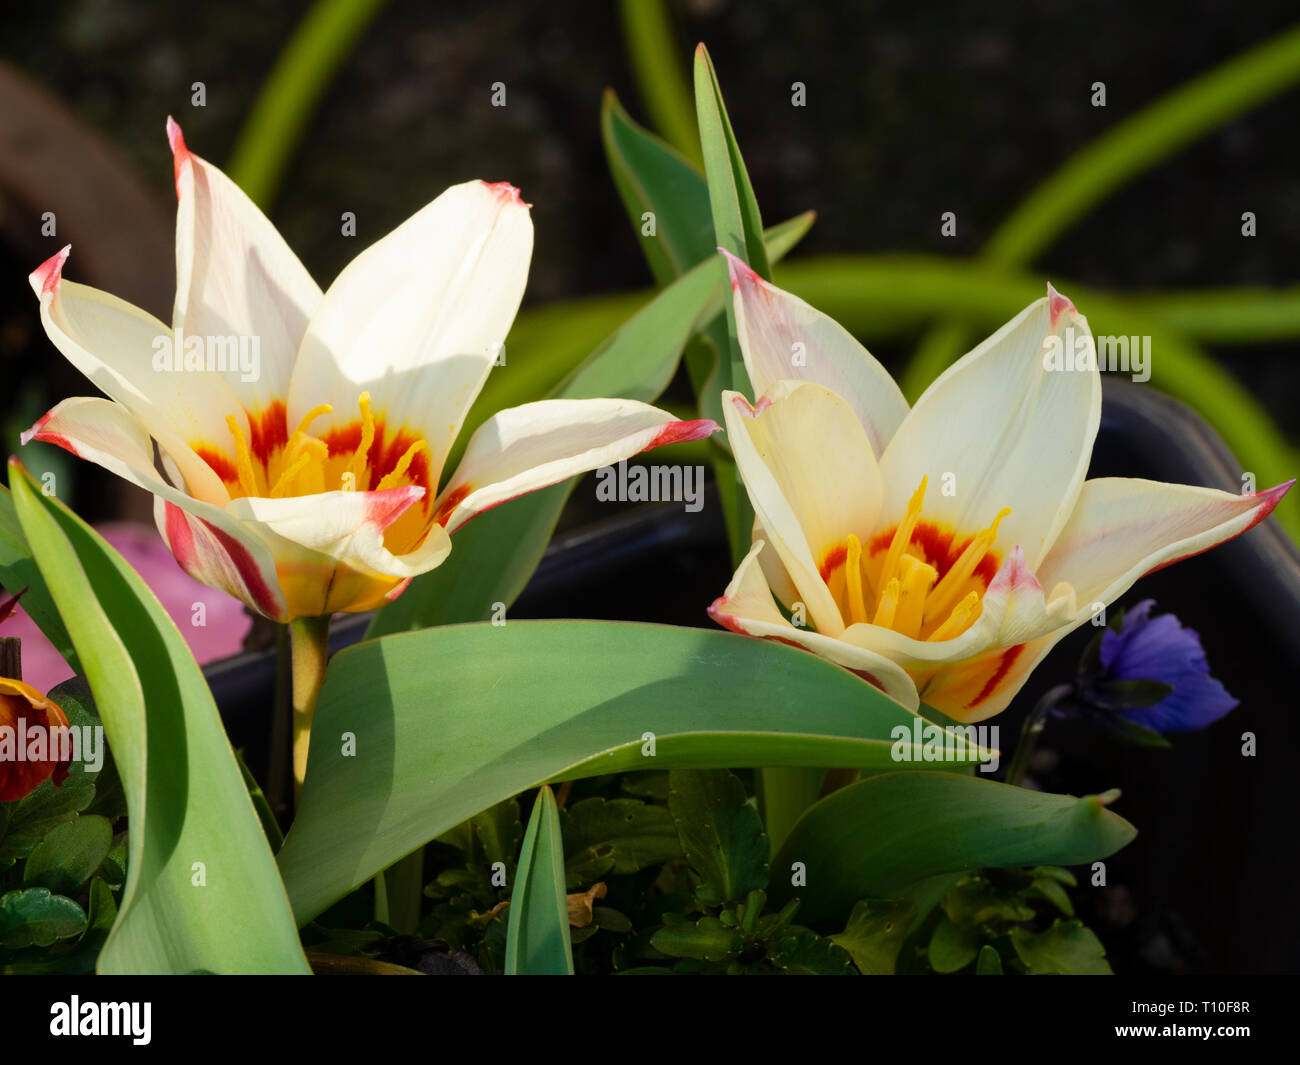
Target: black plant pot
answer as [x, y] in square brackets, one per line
[1205, 885]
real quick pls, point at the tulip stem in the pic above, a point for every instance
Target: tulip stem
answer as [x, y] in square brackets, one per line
[1032, 729]
[309, 651]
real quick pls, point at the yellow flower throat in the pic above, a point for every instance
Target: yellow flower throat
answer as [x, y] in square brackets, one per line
[910, 582]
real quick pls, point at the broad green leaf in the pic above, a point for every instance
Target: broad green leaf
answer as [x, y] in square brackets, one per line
[953, 946]
[708, 939]
[1051, 891]
[518, 705]
[1067, 947]
[18, 571]
[989, 962]
[537, 937]
[875, 933]
[875, 837]
[721, 834]
[189, 811]
[36, 917]
[67, 857]
[619, 836]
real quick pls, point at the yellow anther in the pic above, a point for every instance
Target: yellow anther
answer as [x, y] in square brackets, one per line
[902, 535]
[853, 581]
[243, 458]
[394, 477]
[357, 465]
[887, 605]
[959, 620]
[916, 578]
[947, 590]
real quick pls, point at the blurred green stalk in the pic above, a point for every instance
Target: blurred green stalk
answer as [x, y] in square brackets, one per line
[660, 74]
[289, 96]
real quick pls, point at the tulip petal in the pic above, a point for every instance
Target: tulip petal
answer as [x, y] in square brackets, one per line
[419, 318]
[538, 444]
[999, 428]
[1123, 528]
[747, 607]
[811, 475]
[236, 277]
[106, 433]
[783, 338]
[330, 551]
[113, 342]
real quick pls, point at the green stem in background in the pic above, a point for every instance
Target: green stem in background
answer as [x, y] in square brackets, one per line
[309, 652]
[402, 887]
[660, 75]
[1032, 729]
[277, 776]
[290, 93]
[783, 795]
[1136, 144]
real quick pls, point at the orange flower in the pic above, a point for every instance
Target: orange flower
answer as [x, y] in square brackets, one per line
[30, 730]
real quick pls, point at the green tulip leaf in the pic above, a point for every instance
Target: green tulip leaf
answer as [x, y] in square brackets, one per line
[537, 936]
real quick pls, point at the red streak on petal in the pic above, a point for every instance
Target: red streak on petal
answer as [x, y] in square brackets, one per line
[219, 463]
[445, 508]
[937, 544]
[834, 560]
[1269, 497]
[180, 537]
[741, 272]
[46, 277]
[37, 432]
[677, 432]
[1008, 660]
[268, 431]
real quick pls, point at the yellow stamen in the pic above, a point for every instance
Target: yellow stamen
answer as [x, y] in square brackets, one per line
[902, 535]
[887, 605]
[243, 458]
[357, 465]
[916, 580]
[959, 620]
[393, 478]
[853, 580]
[308, 418]
[291, 471]
[947, 590]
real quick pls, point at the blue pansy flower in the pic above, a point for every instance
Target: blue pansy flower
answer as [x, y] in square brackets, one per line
[1152, 671]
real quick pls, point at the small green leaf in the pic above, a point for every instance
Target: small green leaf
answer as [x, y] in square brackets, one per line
[953, 946]
[619, 836]
[69, 855]
[721, 834]
[498, 831]
[1067, 947]
[875, 934]
[706, 940]
[989, 962]
[36, 917]
[1051, 891]
[804, 953]
[1130, 694]
[975, 901]
[537, 937]
[261, 804]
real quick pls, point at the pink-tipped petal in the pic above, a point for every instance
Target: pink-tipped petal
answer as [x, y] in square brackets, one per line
[46, 277]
